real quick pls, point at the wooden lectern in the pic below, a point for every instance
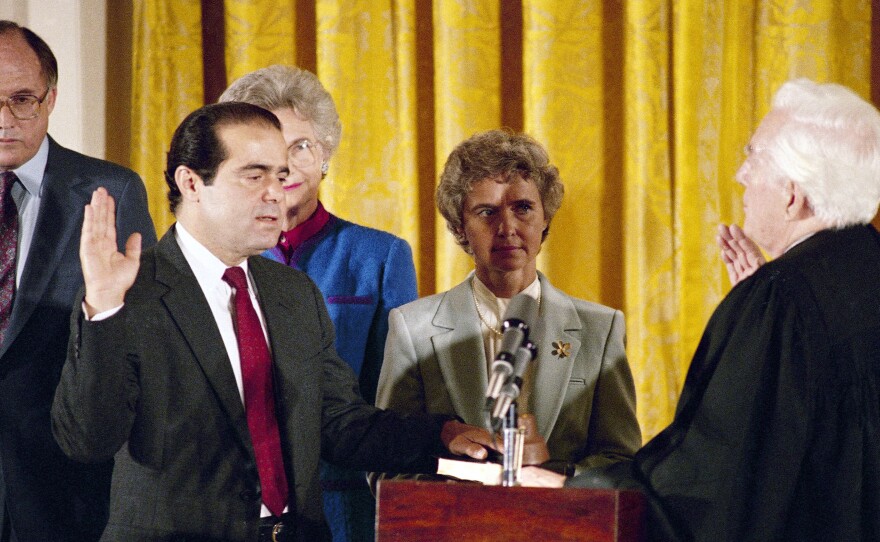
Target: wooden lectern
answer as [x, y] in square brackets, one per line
[464, 512]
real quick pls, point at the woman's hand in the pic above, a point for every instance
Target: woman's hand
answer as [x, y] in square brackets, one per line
[538, 477]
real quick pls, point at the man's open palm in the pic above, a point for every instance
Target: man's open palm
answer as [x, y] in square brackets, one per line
[107, 272]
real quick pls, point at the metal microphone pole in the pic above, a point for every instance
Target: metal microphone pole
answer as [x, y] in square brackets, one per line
[514, 437]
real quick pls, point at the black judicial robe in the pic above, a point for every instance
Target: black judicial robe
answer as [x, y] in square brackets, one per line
[777, 434]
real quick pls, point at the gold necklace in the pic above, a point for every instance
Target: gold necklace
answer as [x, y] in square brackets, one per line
[480, 313]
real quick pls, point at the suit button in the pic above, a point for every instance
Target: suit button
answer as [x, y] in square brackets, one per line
[249, 495]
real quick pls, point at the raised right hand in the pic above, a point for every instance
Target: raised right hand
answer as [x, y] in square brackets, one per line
[739, 253]
[108, 274]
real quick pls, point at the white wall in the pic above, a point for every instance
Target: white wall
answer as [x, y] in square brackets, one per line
[75, 30]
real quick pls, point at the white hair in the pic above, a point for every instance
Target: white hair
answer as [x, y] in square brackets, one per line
[829, 145]
[279, 87]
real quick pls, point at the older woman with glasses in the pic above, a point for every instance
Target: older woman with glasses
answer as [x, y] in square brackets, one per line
[498, 193]
[363, 273]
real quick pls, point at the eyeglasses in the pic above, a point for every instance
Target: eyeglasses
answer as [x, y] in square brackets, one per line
[303, 153]
[24, 106]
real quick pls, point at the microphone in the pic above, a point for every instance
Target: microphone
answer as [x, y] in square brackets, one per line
[510, 390]
[522, 311]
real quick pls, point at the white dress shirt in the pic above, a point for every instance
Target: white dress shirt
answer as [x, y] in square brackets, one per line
[27, 193]
[209, 270]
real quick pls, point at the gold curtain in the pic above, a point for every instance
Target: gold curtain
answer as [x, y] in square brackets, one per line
[258, 33]
[166, 85]
[643, 105]
[467, 90]
[367, 54]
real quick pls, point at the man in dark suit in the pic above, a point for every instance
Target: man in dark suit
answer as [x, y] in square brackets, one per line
[44, 495]
[777, 432]
[168, 346]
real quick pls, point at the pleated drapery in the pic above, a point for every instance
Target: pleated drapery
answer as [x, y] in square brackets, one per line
[644, 105]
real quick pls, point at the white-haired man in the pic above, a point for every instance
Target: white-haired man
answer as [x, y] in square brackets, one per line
[777, 432]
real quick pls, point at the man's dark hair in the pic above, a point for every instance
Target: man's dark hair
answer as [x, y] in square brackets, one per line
[197, 145]
[48, 64]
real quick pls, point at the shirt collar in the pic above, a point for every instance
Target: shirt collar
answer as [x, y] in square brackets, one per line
[30, 174]
[207, 268]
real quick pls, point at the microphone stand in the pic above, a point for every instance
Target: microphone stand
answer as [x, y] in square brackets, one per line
[511, 458]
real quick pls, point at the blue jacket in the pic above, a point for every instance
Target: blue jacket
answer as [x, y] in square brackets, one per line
[363, 273]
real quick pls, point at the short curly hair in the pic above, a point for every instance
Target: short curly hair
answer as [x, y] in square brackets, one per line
[493, 154]
[279, 87]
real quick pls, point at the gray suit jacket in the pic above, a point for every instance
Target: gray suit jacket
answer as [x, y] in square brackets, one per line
[154, 386]
[48, 496]
[584, 402]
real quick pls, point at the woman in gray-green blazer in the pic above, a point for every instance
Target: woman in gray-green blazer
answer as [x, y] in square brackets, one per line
[498, 193]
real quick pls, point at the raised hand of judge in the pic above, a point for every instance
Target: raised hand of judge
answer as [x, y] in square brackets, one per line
[739, 253]
[107, 273]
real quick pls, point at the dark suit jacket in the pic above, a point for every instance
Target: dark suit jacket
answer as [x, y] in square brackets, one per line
[48, 496]
[154, 384]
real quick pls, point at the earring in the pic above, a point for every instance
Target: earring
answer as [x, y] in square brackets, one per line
[324, 167]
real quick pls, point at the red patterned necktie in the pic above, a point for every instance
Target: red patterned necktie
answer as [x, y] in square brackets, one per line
[259, 399]
[8, 244]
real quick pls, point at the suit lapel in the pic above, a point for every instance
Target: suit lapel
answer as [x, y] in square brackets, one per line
[64, 194]
[458, 346]
[188, 307]
[556, 334]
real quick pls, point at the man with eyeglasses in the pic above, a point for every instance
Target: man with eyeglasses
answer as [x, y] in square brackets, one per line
[43, 189]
